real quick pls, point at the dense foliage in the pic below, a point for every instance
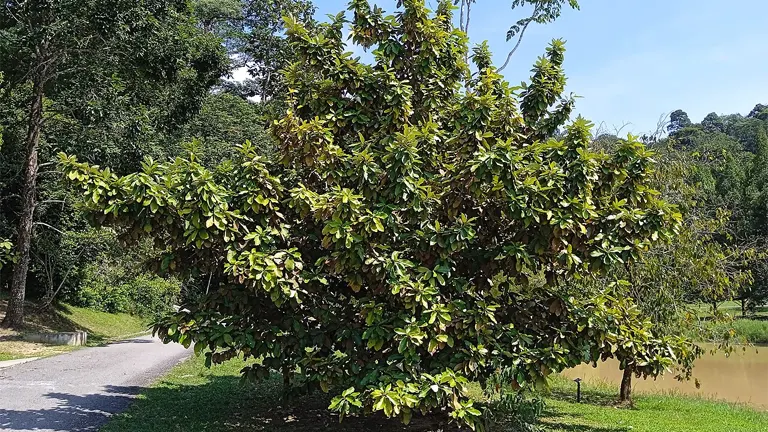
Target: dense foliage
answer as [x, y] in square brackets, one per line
[393, 256]
[116, 82]
[725, 185]
[254, 35]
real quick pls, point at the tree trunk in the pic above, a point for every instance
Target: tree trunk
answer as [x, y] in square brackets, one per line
[287, 374]
[625, 394]
[14, 315]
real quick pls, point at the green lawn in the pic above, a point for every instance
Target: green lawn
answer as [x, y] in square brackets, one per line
[193, 398]
[734, 308]
[101, 327]
[651, 413]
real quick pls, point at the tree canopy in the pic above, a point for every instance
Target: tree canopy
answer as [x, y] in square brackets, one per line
[391, 256]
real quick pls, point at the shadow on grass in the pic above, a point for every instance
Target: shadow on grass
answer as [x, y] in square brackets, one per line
[52, 319]
[564, 422]
[225, 403]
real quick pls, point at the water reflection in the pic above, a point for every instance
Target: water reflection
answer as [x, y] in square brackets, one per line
[742, 377]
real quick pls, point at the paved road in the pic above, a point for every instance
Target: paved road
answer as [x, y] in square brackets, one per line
[80, 390]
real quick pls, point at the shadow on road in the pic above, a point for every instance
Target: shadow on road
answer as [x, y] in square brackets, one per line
[74, 413]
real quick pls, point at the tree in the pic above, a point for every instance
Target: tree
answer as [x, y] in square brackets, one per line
[224, 121]
[253, 33]
[756, 192]
[725, 203]
[389, 258]
[678, 120]
[703, 267]
[760, 112]
[713, 122]
[65, 52]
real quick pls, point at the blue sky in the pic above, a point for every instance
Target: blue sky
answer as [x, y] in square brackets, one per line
[632, 61]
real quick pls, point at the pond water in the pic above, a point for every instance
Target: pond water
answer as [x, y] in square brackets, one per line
[741, 377]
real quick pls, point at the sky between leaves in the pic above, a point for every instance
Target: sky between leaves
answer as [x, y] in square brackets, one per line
[633, 61]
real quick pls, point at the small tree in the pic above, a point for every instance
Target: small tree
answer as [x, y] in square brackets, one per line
[389, 258]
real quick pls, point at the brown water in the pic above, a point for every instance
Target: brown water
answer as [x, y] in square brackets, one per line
[742, 377]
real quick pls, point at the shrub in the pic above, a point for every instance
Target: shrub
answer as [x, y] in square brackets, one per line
[515, 411]
[145, 295]
[388, 258]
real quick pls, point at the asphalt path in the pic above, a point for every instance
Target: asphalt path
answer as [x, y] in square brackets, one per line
[79, 391]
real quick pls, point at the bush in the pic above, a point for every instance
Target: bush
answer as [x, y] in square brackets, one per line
[388, 259]
[737, 331]
[100, 273]
[145, 296]
[515, 411]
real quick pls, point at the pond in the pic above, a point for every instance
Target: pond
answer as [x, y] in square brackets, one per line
[741, 377]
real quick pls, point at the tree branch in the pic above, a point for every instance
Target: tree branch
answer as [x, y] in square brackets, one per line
[49, 226]
[517, 45]
[49, 301]
[469, 8]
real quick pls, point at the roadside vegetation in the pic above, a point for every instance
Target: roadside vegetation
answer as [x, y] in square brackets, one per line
[102, 328]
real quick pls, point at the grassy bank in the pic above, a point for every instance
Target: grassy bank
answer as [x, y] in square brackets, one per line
[192, 397]
[101, 327]
[744, 330]
[752, 329]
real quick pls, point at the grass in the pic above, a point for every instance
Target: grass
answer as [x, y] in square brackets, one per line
[752, 329]
[650, 413]
[101, 327]
[745, 330]
[192, 397]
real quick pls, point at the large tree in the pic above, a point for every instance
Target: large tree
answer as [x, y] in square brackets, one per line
[224, 121]
[254, 35]
[392, 256]
[83, 65]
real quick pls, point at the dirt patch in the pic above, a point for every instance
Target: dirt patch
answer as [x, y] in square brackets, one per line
[13, 349]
